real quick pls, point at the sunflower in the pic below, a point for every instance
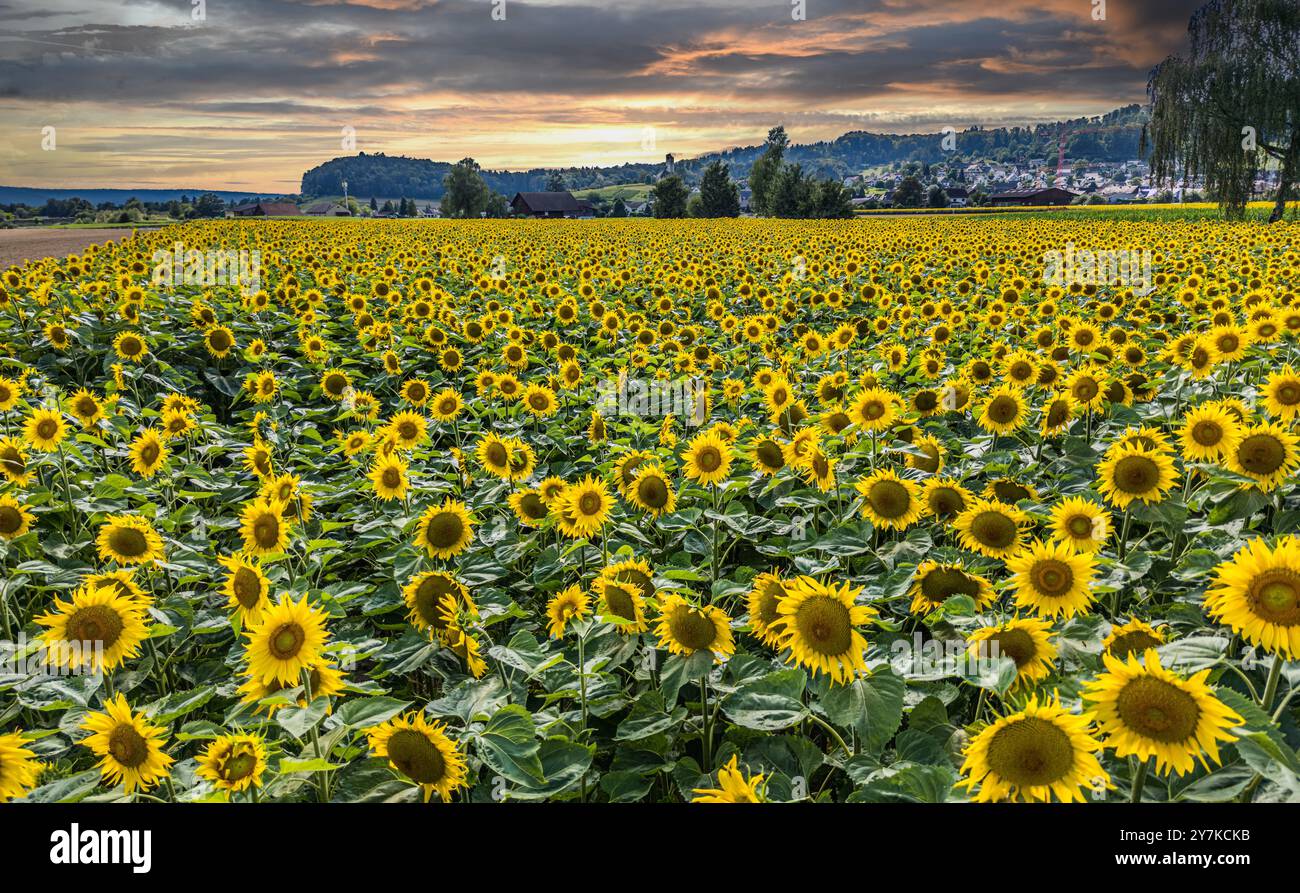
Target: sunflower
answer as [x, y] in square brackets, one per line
[98, 629]
[819, 628]
[11, 391]
[945, 497]
[1026, 640]
[130, 346]
[45, 429]
[219, 341]
[246, 588]
[129, 748]
[1057, 414]
[1208, 432]
[129, 539]
[1145, 710]
[652, 492]
[494, 455]
[1266, 453]
[684, 628]
[148, 453]
[1004, 411]
[15, 520]
[1282, 393]
[19, 767]
[445, 405]
[287, 640]
[264, 527]
[707, 458]
[889, 501]
[409, 428]
[766, 455]
[935, 582]
[1133, 637]
[390, 477]
[445, 530]
[422, 752]
[585, 507]
[234, 763]
[733, 787]
[1080, 523]
[1052, 579]
[13, 462]
[257, 459]
[433, 601]
[564, 608]
[765, 595]
[528, 507]
[85, 407]
[334, 383]
[416, 392]
[1129, 473]
[620, 602]
[539, 401]
[1257, 594]
[1032, 755]
[874, 409]
[464, 645]
[991, 528]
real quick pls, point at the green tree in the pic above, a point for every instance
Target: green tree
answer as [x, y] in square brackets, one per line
[763, 173]
[831, 201]
[465, 195]
[555, 182]
[791, 193]
[497, 206]
[909, 193]
[620, 208]
[936, 197]
[1232, 106]
[209, 204]
[719, 196]
[670, 196]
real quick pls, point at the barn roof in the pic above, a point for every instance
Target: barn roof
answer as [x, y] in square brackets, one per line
[548, 202]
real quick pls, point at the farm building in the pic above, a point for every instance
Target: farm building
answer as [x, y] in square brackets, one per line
[266, 209]
[1053, 195]
[548, 204]
[326, 209]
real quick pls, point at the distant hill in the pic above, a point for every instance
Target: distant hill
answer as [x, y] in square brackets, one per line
[35, 195]
[1110, 137]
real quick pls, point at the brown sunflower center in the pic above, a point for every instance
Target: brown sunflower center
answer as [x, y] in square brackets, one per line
[238, 766]
[1207, 433]
[1052, 577]
[1288, 393]
[445, 530]
[127, 746]
[128, 541]
[889, 499]
[1157, 709]
[95, 623]
[247, 586]
[693, 629]
[1136, 474]
[945, 501]
[1003, 410]
[994, 529]
[1080, 526]
[266, 530]
[1016, 644]
[47, 428]
[619, 602]
[652, 491]
[1133, 643]
[286, 641]
[709, 459]
[392, 477]
[1275, 596]
[11, 520]
[590, 504]
[416, 757]
[824, 625]
[1261, 454]
[1031, 752]
[943, 582]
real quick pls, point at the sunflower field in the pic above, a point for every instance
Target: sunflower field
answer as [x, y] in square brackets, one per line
[398, 524]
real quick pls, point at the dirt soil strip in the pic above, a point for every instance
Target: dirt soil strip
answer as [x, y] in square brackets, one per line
[18, 246]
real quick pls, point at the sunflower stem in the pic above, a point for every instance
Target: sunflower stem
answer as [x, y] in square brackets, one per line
[706, 732]
[1270, 688]
[322, 784]
[830, 730]
[1139, 780]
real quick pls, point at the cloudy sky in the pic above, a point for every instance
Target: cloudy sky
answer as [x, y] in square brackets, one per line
[247, 94]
